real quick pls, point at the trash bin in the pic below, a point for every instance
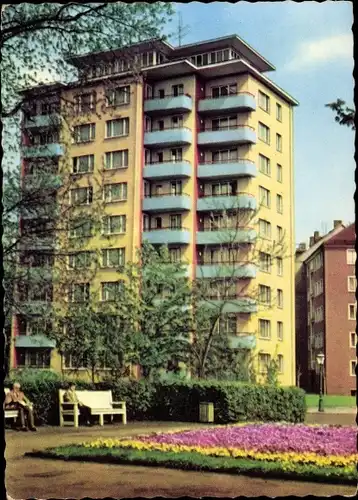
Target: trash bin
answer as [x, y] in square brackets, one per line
[206, 412]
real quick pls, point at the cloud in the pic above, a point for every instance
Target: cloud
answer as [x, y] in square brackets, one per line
[314, 52]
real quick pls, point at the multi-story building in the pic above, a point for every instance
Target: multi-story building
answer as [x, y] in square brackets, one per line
[198, 130]
[326, 310]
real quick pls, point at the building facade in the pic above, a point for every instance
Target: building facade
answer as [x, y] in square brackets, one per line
[173, 137]
[326, 310]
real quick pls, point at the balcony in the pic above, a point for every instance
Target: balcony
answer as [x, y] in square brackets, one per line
[166, 203]
[224, 136]
[242, 101]
[225, 235]
[38, 307]
[178, 169]
[242, 341]
[179, 136]
[226, 202]
[33, 243]
[34, 341]
[227, 169]
[167, 236]
[44, 151]
[38, 274]
[42, 181]
[42, 121]
[40, 212]
[233, 304]
[226, 270]
[169, 104]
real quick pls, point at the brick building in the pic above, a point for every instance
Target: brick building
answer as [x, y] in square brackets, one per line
[326, 310]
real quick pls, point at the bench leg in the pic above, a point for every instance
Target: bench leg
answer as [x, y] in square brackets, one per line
[124, 418]
[75, 419]
[101, 420]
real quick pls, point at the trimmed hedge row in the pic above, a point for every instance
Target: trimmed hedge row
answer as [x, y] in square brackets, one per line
[176, 401]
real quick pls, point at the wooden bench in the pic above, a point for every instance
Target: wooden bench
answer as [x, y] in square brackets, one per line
[100, 403]
[10, 413]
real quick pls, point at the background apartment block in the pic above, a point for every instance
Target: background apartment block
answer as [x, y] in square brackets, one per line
[326, 310]
[199, 130]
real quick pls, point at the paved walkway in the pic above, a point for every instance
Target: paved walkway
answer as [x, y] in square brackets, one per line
[39, 478]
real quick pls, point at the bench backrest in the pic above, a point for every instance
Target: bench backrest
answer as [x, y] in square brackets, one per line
[93, 399]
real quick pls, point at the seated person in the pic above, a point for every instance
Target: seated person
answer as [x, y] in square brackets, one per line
[16, 400]
[70, 396]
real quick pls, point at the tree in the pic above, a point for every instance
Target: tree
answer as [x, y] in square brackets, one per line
[344, 114]
[226, 287]
[154, 309]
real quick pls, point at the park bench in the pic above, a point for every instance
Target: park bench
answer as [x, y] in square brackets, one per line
[100, 403]
[10, 413]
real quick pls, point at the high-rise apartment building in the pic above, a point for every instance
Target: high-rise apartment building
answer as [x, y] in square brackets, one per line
[326, 310]
[197, 129]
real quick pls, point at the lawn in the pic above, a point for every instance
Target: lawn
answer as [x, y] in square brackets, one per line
[331, 401]
[295, 451]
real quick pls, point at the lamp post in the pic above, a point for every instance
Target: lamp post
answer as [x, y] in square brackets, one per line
[320, 361]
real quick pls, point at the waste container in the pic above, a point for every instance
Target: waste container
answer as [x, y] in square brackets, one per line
[206, 412]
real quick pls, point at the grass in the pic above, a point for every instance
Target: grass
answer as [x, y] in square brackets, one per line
[331, 401]
[196, 461]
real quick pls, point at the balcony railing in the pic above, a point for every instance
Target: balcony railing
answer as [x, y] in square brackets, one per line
[228, 95]
[209, 229]
[166, 228]
[164, 96]
[225, 127]
[169, 160]
[214, 262]
[162, 195]
[231, 160]
[218, 195]
[172, 127]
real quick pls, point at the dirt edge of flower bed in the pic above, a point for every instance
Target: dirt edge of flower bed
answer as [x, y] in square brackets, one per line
[196, 462]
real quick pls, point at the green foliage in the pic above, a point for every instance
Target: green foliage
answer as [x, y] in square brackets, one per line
[344, 114]
[272, 373]
[173, 400]
[199, 462]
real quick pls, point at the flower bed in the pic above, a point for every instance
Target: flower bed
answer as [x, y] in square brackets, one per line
[280, 450]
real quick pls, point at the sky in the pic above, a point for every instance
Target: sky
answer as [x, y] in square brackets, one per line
[311, 46]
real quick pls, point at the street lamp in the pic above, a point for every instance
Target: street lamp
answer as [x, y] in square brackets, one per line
[320, 361]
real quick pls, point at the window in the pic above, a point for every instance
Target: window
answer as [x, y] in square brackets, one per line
[80, 229]
[224, 155]
[224, 123]
[177, 121]
[114, 224]
[264, 165]
[84, 133]
[84, 103]
[318, 287]
[116, 159]
[279, 232]
[224, 90]
[280, 363]
[279, 143]
[279, 330]
[278, 112]
[353, 339]
[279, 172]
[279, 203]
[264, 228]
[265, 197]
[351, 257]
[264, 362]
[115, 192]
[264, 101]
[264, 133]
[353, 368]
[177, 89]
[227, 324]
[175, 221]
[79, 292]
[118, 96]
[318, 314]
[36, 358]
[352, 311]
[81, 196]
[264, 294]
[110, 290]
[79, 260]
[279, 266]
[175, 254]
[264, 328]
[265, 262]
[70, 361]
[223, 189]
[82, 164]
[352, 283]
[113, 257]
[280, 298]
[176, 155]
[117, 128]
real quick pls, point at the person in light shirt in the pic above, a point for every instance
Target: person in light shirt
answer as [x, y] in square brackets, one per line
[16, 400]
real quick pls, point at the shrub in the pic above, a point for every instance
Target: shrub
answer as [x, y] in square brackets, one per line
[173, 400]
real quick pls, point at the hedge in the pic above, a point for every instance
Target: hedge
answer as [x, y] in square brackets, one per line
[174, 401]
